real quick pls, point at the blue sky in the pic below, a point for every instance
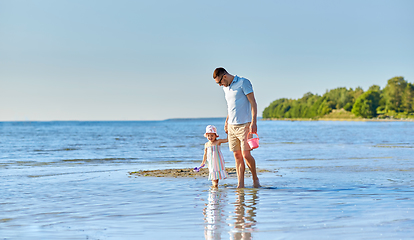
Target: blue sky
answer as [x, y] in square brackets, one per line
[153, 60]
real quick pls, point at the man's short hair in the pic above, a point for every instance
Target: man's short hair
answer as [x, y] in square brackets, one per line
[218, 72]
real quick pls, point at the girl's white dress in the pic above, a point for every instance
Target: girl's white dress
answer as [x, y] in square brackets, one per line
[215, 162]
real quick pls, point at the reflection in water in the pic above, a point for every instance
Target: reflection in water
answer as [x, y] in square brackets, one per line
[214, 215]
[244, 214]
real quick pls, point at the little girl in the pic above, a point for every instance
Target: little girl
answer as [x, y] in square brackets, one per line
[213, 156]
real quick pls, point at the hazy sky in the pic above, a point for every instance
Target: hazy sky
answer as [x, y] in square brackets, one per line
[151, 60]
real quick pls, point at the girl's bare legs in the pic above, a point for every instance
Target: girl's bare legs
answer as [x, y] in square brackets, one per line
[215, 183]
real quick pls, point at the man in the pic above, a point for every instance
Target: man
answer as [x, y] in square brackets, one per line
[241, 120]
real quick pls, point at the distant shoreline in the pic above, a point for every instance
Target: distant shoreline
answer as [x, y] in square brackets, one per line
[339, 119]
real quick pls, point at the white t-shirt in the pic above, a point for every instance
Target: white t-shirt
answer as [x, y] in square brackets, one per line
[238, 106]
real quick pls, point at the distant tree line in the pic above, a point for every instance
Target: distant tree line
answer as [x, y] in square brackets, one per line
[396, 100]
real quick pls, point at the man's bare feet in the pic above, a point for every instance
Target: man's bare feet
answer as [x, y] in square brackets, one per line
[256, 184]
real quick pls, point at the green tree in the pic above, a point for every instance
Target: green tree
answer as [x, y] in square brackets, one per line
[357, 92]
[325, 108]
[393, 94]
[407, 101]
[375, 88]
[309, 100]
[339, 97]
[277, 109]
[353, 95]
[366, 105]
[396, 99]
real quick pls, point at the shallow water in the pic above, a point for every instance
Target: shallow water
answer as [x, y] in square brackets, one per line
[70, 180]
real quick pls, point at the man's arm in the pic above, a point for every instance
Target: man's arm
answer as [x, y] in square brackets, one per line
[225, 124]
[252, 100]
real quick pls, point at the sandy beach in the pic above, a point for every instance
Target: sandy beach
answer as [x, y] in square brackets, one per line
[188, 172]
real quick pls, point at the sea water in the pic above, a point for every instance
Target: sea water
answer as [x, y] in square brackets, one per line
[326, 180]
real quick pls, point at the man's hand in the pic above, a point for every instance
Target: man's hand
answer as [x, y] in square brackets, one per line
[253, 127]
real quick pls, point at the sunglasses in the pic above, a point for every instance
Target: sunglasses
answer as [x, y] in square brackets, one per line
[219, 82]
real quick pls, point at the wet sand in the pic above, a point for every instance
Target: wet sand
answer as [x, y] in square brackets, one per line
[187, 172]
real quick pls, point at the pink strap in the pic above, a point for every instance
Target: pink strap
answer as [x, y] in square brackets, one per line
[254, 133]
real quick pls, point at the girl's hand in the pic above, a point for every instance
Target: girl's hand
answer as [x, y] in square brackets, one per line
[196, 169]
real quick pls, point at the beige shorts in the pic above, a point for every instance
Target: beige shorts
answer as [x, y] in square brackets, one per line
[237, 135]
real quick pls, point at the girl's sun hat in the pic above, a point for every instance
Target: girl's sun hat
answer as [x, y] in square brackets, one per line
[211, 129]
